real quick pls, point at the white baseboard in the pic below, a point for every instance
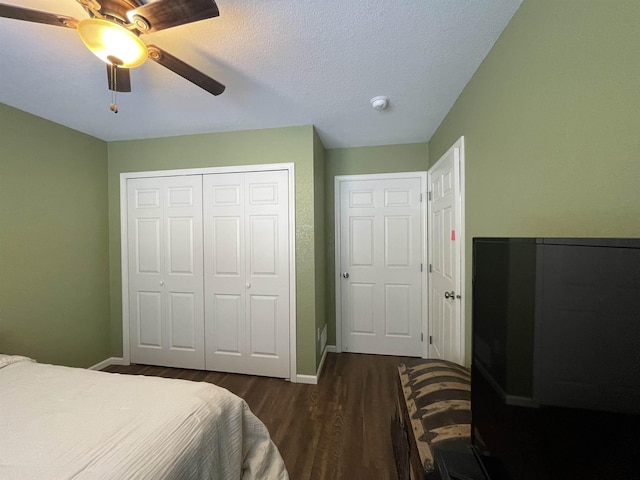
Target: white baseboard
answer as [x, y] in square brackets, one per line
[308, 379]
[107, 362]
[313, 379]
[322, 359]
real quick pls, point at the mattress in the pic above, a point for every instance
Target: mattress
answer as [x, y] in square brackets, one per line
[60, 423]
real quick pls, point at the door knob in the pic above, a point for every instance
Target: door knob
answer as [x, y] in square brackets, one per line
[248, 285]
[450, 295]
[345, 274]
[161, 283]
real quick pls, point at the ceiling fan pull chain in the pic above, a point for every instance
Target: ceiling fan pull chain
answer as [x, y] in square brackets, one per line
[114, 85]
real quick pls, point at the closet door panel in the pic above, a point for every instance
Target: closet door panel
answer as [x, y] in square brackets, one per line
[165, 271]
[227, 325]
[263, 232]
[149, 313]
[182, 321]
[180, 246]
[147, 245]
[225, 330]
[264, 326]
[246, 273]
[267, 249]
[226, 259]
[146, 265]
[184, 290]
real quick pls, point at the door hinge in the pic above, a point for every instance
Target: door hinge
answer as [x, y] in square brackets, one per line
[421, 267]
[422, 337]
[429, 198]
[430, 268]
[420, 197]
[430, 340]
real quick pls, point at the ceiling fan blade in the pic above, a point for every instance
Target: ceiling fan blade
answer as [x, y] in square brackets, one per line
[185, 71]
[122, 80]
[163, 14]
[28, 15]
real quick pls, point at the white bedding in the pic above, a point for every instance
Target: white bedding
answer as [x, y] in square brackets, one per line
[60, 423]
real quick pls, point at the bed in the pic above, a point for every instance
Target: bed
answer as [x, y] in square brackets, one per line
[59, 423]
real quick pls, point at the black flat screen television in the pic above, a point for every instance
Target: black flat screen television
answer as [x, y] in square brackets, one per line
[556, 358]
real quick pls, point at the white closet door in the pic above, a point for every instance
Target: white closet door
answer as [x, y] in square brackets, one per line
[166, 271]
[267, 272]
[224, 272]
[246, 250]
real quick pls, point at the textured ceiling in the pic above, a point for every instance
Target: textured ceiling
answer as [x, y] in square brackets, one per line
[284, 62]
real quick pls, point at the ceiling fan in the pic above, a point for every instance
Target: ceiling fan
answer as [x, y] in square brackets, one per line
[112, 33]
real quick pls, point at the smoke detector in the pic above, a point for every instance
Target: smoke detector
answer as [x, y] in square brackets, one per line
[380, 103]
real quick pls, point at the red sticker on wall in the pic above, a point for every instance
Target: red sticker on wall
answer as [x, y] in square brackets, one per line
[453, 234]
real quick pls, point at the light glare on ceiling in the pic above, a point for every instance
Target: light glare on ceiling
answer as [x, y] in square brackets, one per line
[112, 43]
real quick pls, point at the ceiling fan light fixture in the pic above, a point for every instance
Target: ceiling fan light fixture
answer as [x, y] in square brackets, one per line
[112, 43]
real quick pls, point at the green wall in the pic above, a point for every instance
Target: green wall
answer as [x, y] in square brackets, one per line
[411, 157]
[551, 122]
[54, 268]
[279, 145]
[319, 238]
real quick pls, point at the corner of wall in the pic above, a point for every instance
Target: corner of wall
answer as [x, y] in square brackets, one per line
[319, 233]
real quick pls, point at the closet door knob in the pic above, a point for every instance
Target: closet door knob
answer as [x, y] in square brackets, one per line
[248, 285]
[161, 283]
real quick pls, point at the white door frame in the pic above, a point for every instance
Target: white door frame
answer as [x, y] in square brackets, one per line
[460, 238]
[337, 278]
[124, 247]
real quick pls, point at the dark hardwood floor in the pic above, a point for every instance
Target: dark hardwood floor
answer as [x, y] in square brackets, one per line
[337, 429]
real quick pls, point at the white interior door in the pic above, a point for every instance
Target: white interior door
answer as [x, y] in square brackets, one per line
[247, 272]
[381, 254]
[445, 314]
[165, 271]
